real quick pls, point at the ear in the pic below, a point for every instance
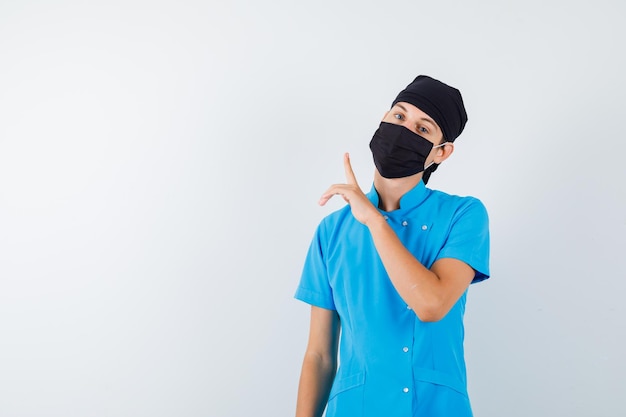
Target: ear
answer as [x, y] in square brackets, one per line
[444, 152]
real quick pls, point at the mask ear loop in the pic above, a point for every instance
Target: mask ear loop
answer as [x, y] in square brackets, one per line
[435, 147]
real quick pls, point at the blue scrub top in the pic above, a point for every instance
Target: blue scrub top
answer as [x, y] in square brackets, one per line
[391, 363]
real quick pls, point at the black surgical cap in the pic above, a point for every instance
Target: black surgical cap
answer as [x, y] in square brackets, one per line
[438, 100]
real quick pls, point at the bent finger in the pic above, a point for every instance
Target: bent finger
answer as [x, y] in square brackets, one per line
[337, 189]
[328, 194]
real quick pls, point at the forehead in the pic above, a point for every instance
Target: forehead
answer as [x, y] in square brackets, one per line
[415, 113]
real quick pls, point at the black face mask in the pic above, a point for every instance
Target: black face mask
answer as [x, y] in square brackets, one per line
[398, 152]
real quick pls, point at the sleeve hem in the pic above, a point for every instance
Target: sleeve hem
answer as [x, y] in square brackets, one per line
[314, 299]
[482, 272]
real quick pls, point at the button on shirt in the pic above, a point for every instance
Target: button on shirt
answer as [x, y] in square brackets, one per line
[391, 363]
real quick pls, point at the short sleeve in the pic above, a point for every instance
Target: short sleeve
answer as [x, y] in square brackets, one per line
[314, 287]
[468, 239]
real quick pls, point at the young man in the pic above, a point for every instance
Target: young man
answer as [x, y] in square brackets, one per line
[391, 270]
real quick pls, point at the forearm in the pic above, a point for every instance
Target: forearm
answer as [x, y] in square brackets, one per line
[430, 292]
[420, 288]
[315, 383]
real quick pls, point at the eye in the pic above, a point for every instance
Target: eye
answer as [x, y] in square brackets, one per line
[398, 116]
[422, 129]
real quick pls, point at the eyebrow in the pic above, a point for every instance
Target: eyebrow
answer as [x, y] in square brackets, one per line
[424, 119]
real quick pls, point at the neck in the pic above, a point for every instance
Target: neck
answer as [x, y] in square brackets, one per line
[391, 190]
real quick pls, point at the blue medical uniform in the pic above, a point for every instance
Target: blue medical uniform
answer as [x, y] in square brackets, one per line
[391, 363]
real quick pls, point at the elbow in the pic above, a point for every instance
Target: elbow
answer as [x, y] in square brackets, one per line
[430, 313]
[429, 317]
[324, 360]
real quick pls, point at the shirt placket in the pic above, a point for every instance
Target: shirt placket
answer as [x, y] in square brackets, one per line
[404, 349]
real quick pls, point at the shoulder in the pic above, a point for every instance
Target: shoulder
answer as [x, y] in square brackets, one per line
[335, 221]
[456, 203]
[466, 231]
[337, 217]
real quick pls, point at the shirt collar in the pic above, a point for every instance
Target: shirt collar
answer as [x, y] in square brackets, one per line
[412, 198]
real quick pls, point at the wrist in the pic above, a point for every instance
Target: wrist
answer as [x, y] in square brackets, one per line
[376, 220]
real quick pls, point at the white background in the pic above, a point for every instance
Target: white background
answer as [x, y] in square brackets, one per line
[160, 164]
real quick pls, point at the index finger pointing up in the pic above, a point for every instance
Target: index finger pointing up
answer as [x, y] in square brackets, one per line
[348, 167]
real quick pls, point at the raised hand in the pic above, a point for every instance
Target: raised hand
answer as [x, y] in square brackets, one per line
[362, 209]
